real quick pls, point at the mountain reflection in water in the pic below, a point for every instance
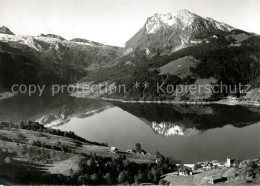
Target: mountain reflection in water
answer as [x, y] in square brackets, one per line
[49, 110]
[185, 132]
[164, 119]
[167, 119]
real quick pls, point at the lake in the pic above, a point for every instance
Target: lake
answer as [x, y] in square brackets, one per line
[188, 133]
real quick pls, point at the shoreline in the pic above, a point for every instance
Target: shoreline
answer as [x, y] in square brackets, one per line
[223, 102]
[6, 95]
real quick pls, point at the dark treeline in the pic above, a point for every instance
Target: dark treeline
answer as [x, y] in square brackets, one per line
[230, 65]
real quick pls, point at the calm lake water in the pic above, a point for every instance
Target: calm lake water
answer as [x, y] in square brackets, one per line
[184, 132]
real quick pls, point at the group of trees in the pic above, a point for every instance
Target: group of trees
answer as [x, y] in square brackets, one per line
[107, 170]
[252, 170]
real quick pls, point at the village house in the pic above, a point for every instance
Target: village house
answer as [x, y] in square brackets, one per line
[232, 162]
[130, 151]
[187, 165]
[113, 149]
[158, 160]
[185, 171]
[215, 162]
[208, 165]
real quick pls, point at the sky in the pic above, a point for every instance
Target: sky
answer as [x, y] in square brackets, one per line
[114, 22]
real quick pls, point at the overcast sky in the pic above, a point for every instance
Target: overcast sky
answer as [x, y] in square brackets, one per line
[114, 22]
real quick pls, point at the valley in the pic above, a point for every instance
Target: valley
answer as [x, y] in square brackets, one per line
[184, 90]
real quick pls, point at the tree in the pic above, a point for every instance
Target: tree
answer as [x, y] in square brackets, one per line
[251, 170]
[140, 177]
[157, 154]
[85, 179]
[150, 176]
[94, 178]
[91, 163]
[160, 156]
[122, 177]
[138, 147]
[156, 179]
[108, 178]
[126, 163]
[196, 166]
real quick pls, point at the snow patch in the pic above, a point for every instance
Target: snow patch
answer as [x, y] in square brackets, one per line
[169, 129]
[179, 18]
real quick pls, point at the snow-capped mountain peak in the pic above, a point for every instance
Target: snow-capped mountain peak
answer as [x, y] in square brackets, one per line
[179, 18]
[176, 30]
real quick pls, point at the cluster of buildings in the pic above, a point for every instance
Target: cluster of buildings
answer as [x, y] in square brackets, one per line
[189, 169]
[129, 151]
[199, 167]
[209, 165]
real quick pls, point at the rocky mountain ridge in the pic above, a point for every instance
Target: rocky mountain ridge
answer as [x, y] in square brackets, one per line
[175, 31]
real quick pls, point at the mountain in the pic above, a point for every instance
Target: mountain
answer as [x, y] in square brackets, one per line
[76, 51]
[5, 30]
[48, 59]
[185, 49]
[175, 31]
[52, 36]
